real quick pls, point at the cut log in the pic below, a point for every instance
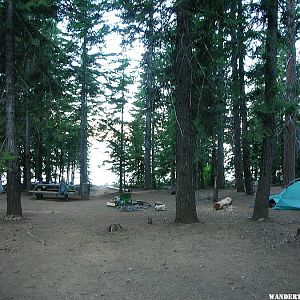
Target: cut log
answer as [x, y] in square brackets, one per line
[222, 203]
[160, 207]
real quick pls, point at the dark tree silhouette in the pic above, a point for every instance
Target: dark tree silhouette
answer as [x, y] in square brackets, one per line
[268, 115]
[290, 128]
[14, 208]
[185, 189]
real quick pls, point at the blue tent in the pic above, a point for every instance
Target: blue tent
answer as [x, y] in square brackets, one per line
[288, 199]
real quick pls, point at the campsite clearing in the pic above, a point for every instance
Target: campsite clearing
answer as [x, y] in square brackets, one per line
[64, 250]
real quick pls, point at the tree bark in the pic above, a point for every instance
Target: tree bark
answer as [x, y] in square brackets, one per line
[149, 101]
[236, 103]
[220, 155]
[268, 117]
[73, 171]
[14, 208]
[39, 159]
[215, 173]
[245, 141]
[121, 164]
[83, 123]
[61, 165]
[289, 119]
[48, 167]
[185, 188]
[153, 180]
[173, 180]
[221, 107]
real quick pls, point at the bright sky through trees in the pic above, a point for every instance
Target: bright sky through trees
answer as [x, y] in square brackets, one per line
[100, 173]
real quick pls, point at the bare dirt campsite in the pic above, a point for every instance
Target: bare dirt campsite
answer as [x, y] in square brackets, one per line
[63, 250]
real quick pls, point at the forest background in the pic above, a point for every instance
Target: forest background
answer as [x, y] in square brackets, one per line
[237, 62]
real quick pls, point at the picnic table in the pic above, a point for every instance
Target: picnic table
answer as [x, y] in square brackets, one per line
[56, 190]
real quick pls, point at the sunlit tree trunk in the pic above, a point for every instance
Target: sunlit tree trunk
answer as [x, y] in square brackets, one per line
[185, 188]
[268, 118]
[14, 208]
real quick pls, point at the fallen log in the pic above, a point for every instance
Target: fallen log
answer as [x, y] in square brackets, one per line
[222, 203]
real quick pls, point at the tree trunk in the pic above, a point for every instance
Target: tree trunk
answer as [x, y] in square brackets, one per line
[245, 141]
[173, 180]
[215, 173]
[268, 118]
[246, 149]
[83, 123]
[185, 189]
[27, 173]
[173, 167]
[289, 119]
[235, 104]
[121, 167]
[14, 208]
[48, 166]
[55, 174]
[61, 165]
[221, 104]
[68, 170]
[220, 154]
[73, 172]
[38, 159]
[153, 181]
[149, 101]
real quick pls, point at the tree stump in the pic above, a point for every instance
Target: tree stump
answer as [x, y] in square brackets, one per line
[114, 227]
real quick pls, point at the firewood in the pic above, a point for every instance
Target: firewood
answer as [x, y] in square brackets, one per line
[222, 203]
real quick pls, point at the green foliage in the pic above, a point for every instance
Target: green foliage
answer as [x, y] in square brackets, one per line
[54, 59]
[5, 157]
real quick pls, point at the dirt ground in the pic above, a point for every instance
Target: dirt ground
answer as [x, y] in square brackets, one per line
[63, 250]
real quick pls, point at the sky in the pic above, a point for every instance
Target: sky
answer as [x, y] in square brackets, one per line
[100, 174]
